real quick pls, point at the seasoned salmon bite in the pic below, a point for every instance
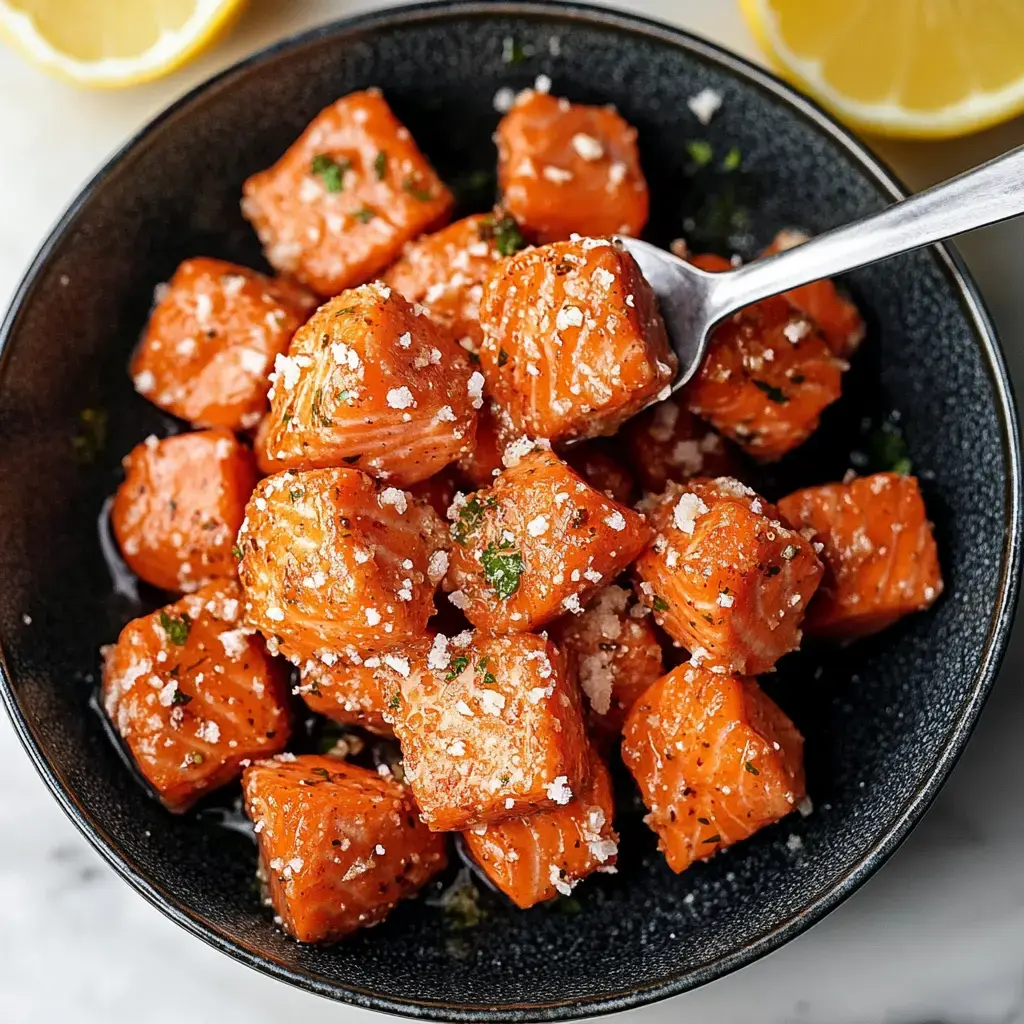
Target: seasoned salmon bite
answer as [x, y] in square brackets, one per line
[340, 845]
[537, 544]
[573, 341]
[715, 760]
[182, 501]
[544, 855]
[337, 208]
[335, 565]
[369, 382]
[726, 577]
[212, 339]
[564, 168]
[193, 694]
[490, 728]
[880, 557]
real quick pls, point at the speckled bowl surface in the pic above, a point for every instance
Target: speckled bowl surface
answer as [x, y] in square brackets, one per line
[885, 720]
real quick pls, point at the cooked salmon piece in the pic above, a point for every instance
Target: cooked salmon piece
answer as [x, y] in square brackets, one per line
[491, 728]
[880, 558]
[617, 654]
[715, 760]
[564, 168]
[767, 377]
[667, 443]
[182, 501]
[346, 692]
[538, 857]
[821, 302]
[726, 577]
[536, 544]
[339, 845]
[494, 433]
[573, 341]
[445, 271]
[211, 341]
[369, 383]
[194, 694]
[337, 208]
[334, 564]
[603, 470]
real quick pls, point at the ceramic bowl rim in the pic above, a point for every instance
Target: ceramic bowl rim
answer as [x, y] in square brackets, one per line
[958, 279]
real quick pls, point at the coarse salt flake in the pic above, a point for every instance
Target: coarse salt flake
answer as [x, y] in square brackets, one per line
[687, 509]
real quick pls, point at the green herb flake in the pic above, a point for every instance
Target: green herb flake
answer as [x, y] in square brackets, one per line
[364, 214]
[417, 191]
[513, 51]
[505, 779]
[294, 495]
[92, 435]
[323, 773]
[330, 171]
[176, 629]
[380, 165]
[179, 699]
[462, 908]
[774, 394]
[750, 768]
[238, 553]
[457, 667]
[659, 604]
[502, 569]
[903, 466]
[471, 515]
[700, 151]
[507, 237]
[732, 160]
[395, 702]
[887, 449]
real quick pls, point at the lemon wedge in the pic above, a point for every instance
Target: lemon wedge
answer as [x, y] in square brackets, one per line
[903, 68]
[114, 43]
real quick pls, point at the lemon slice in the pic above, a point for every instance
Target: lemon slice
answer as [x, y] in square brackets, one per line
[908, 68]
[113, 43]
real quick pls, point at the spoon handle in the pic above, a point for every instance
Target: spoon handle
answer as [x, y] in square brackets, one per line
[987, 194]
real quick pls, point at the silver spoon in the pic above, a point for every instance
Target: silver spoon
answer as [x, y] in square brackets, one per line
[693, 301]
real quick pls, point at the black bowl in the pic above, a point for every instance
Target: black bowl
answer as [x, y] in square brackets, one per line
[885, 719]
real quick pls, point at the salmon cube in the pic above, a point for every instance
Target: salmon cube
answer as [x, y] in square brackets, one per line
[725, 577]
[345, 692]
[339, 845]
[536, 858]
[490, 727]
[573, 341]
[821, 302]
[193, 694]
[335, 565]
[603, 470]
[536, 544]
[369, 383]
[715, 760]
[880, 558]
[617, 654]
[768, 375]
[667, 443]
[337, 208]
[445, 271]
[211, 341]
[182, 501]
[564, 168]
[494, 433]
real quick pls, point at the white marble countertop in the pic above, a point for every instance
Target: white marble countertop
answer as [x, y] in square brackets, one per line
[937, 935]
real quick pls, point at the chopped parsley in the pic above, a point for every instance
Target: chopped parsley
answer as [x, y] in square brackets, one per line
[659, 604]
[750, 768]
[176, 629]
[380, 165]
[419, 193]
[395, 702]
[471, 515]
[330, 171]
[700, 151]
[503, 568]
[505, 779]
[317, 409]
[92, 435]
[457, 667]
[238, 553]
[887, 449]
[364, 214]
[732, 160]
[481, 666]
[513, 51]
[179, 699]
[774, 394]
[507, 237]
[294, 495]
[461, 905]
